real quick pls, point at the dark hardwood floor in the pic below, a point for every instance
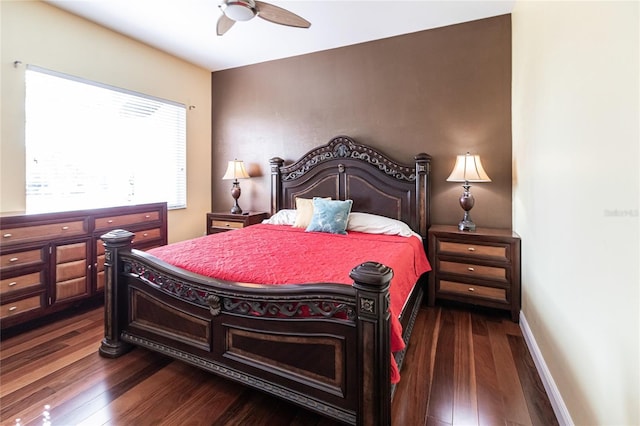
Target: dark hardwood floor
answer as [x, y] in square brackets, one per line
[462, 368]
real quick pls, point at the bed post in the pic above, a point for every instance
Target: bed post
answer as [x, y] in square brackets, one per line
[423, 168]
[115, 303]
[371, 282]
[276, 184]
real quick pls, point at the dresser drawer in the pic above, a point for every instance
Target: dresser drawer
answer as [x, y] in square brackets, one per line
[20, 306]
[472, 270]
[140, 238]
[473, 250]
[463, 289]
[71, 252]
[100, 277]
[72, 288]
[121, 221]
[21, 258]
[226, 224]
[42, 232]
[145, 236]
[70, 270]
[21, 282]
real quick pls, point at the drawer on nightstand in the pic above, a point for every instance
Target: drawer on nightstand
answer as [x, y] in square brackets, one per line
[473, 250]
[222, 222]
[463, 289]
[473, 270]
[226, 224]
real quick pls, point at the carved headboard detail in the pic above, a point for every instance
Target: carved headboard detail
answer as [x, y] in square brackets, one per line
[344, 169]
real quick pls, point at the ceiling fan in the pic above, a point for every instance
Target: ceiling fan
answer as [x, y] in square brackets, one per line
[243, 10]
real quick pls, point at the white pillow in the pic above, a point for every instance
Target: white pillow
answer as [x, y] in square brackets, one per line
[374, 224]
[283, 217]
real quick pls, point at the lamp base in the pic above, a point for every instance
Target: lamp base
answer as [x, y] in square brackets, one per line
[235, 193]
[466, 225]
[466, 202]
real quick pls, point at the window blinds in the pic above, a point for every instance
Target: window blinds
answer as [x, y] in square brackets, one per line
[93, 145]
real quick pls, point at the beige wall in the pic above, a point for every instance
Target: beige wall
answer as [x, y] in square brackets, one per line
[37, 33]
[576, 183]
[443, 91]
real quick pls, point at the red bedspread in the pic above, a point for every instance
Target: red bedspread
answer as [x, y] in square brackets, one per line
[279, 254]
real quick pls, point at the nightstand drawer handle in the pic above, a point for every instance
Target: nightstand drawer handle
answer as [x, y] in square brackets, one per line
[147, 216]
[7, 235]
[110, 221]
[471, 289]
[13, 308]
[471, 249]
[13, 259]
[64, 228]
[12, 283]
[145, 235]
[470, 269]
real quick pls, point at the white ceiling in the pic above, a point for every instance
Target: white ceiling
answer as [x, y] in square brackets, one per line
[187, 28]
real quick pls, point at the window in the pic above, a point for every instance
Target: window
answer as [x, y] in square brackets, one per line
[91, 145]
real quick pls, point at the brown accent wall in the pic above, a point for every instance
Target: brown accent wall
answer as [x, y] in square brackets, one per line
[444, 91]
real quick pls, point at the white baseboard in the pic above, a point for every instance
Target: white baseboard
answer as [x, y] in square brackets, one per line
[559, 408]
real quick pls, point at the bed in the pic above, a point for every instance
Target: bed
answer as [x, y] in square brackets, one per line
[326, 346]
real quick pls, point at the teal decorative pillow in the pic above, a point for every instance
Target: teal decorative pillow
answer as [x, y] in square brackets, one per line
[330, 216]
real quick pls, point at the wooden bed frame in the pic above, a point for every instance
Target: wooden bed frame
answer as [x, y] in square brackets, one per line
[252, 333]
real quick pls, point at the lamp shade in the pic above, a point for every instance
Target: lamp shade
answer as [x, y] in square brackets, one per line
[236, 170]
[468, 168]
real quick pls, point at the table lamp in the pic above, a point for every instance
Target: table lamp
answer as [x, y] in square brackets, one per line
[468, 168]
[235, 171]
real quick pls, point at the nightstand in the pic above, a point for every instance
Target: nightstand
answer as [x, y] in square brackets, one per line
[221, 222]
[479, 268]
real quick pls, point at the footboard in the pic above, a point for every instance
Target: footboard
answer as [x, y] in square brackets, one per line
[324, 347]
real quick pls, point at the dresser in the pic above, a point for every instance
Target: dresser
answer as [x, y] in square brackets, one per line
[52, 261]
[222, 222]
[478, 268]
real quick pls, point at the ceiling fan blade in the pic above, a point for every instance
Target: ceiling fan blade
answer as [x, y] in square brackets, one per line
[281, 16]
[224, 23]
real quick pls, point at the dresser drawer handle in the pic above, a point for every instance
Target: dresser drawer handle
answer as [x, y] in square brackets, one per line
[13, 308]
[471, 289]
[147, 216]
[12, 283]
[471, 249]
[13, 259]
[7, 235]
[110, 221]
[470, 269]
[64, 228]
[145, 235]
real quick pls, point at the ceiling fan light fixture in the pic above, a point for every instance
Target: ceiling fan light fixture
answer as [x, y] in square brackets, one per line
[239, 10]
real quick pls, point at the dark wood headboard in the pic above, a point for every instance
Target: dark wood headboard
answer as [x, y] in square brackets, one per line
[344, 169]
